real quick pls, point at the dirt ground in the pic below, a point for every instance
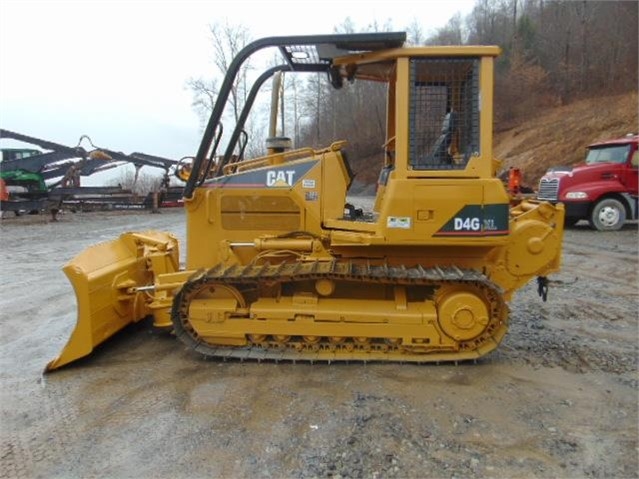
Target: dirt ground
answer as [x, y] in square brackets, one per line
[558, 399]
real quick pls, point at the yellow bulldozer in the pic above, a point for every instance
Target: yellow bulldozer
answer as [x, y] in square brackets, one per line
[279, 266]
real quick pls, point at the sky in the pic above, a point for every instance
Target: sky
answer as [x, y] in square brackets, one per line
[116, 70]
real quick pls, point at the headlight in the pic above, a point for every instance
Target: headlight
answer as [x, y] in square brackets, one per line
[576, 195]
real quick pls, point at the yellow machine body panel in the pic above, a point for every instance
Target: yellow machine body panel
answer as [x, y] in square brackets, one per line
[279, 265]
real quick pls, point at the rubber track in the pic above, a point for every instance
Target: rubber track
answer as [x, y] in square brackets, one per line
[239, 276]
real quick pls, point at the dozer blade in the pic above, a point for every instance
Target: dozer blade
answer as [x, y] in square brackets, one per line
[104, 277]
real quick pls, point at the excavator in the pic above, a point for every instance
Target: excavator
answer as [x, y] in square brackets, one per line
[280, 267]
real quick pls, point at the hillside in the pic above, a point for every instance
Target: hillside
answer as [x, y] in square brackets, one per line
[559, 135]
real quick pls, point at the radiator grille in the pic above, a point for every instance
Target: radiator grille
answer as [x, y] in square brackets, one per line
[548, 189]
[260, 213]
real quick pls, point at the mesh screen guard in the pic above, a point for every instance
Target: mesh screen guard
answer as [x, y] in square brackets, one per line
[444, 112]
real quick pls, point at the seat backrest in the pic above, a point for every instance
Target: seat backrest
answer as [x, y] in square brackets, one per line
[440, 149]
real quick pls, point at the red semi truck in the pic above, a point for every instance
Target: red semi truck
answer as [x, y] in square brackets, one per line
[602, 189]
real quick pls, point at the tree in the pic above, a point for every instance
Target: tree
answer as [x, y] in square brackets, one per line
[451, 34]
[552, 51]
[415, 34]
[563, 50]
[138, 181]
[227, 41]
[204, 94]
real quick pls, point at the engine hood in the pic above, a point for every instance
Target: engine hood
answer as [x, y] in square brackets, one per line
[584, 172]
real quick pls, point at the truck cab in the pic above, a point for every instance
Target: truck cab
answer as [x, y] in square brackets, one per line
[602, 189]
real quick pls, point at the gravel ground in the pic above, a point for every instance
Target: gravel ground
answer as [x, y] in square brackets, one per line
[558, 399]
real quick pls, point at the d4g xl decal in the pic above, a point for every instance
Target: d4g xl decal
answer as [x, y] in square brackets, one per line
[477, 220]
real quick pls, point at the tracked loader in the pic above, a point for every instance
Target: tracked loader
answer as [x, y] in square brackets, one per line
[279, 266]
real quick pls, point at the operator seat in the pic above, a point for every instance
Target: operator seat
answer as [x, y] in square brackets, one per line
[440, 155]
